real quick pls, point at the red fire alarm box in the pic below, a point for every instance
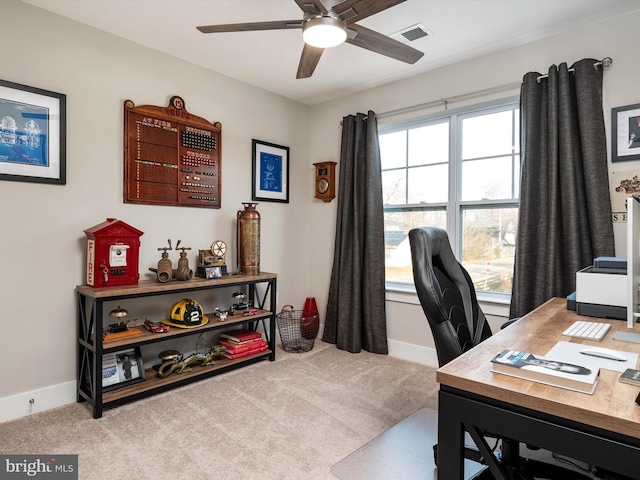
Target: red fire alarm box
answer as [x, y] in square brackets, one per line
[113, 250]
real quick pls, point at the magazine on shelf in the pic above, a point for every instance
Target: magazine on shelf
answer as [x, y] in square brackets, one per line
[546, 370]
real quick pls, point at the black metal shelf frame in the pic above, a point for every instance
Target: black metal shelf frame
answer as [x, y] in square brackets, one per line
[90, 317]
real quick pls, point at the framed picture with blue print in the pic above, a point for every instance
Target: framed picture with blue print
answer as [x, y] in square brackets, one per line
[270, 172]
[32, 134]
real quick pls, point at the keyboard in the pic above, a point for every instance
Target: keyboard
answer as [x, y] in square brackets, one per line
[587, 330]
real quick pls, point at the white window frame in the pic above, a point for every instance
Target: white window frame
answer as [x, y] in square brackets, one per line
[404, 292]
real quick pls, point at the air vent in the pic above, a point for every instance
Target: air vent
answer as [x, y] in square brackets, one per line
[412, 33]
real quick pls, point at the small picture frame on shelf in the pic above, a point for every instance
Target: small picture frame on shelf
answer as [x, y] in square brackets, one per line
[213, 272]
[122, 368]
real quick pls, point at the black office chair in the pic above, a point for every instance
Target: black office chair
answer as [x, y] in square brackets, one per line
[448, 299]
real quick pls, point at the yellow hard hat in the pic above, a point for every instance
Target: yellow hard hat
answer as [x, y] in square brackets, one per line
[186, 313]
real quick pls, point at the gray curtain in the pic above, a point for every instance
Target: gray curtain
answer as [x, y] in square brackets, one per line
[565, 210]
[356, 317]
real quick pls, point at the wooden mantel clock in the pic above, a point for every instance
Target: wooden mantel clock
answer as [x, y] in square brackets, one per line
[325, 181]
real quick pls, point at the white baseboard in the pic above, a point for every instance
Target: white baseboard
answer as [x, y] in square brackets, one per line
[413, 353]
[35, 401]
[19, 405]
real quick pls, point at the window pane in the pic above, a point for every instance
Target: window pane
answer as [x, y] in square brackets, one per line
[489, 179]
[487, 135]
[429, 144]
[516, 127]
[396, 241]
[488, 247]
[428, 184]
[393, 149]
[516, 177]
[394, 187]
[418, 168]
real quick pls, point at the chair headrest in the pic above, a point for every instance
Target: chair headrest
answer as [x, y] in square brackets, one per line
[436, 243]
[431, 245]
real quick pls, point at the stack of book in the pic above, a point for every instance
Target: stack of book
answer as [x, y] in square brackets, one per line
[240, 343]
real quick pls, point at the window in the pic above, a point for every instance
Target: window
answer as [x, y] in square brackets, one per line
[460, 171]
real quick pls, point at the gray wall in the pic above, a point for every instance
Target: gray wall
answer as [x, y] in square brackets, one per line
[42, 236]
[613, 38]
[42, 226]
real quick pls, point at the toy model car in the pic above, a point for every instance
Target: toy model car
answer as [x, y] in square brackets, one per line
[221, 314]
[155, 327]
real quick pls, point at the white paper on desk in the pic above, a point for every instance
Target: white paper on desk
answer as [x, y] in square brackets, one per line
[570, 353]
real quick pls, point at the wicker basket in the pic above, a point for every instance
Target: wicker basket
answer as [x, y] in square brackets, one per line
[297, 330]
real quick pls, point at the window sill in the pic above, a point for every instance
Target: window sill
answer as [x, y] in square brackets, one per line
[491, 303]
[402, 294]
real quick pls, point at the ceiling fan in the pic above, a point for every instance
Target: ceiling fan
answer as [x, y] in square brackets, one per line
[327, 23]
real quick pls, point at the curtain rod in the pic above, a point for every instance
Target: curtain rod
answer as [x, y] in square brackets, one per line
[446, 100]
[605, 62]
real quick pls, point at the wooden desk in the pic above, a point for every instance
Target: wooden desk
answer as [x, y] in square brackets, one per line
[601, 429]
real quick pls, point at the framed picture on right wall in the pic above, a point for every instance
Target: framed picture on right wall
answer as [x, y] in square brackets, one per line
[625, 137]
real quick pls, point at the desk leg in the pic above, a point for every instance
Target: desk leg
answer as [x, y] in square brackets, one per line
[457, 409]
[450, 443]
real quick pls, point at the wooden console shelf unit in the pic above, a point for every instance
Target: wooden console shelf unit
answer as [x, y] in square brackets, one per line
[91, 348]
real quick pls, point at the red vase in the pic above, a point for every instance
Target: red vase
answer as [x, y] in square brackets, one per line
[310, 322]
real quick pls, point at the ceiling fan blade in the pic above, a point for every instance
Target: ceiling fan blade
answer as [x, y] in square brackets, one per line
[352, 11]
[311, 6]
[245, 27]
[376, 42]
[308, 61]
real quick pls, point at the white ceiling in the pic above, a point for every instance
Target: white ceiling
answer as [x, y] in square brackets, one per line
[461, 29]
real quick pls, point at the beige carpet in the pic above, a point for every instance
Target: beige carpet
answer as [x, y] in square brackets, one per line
[289, 419]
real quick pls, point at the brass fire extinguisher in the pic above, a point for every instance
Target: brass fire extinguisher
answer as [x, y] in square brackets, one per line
[248, 230]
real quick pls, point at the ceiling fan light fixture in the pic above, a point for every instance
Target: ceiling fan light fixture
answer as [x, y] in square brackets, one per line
[324, 31]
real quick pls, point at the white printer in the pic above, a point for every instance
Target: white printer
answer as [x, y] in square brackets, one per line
[601, 289]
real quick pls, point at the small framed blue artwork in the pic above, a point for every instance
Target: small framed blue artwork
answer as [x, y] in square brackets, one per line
[270, 172]
[32, 134]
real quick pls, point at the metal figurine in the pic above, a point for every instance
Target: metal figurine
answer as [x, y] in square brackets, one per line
[183, 272]
[180, 365]
[241, 298]
[164, 272]
[119, 314]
